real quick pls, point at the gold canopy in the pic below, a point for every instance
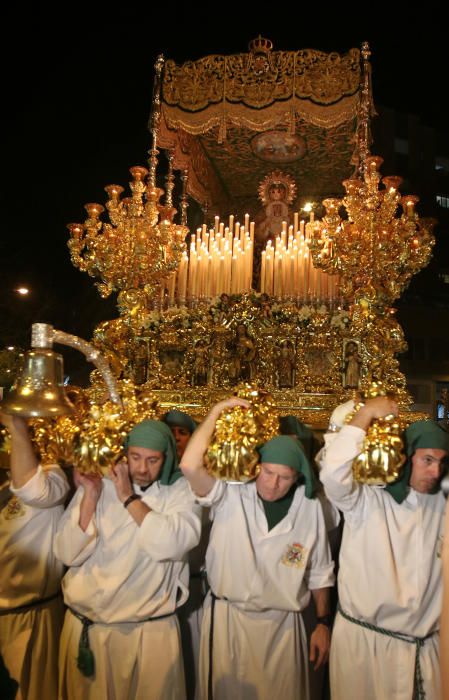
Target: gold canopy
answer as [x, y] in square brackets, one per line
[231, 119]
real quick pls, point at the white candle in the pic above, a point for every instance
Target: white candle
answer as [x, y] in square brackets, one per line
[251, 230]
[306, 274]
[192, 273]
[296, 280]
[269, 273]
[171, 288]
[250, 249]
[220, 285]
[234, 275]
[198, 281]
[263, 272]
[181, 278]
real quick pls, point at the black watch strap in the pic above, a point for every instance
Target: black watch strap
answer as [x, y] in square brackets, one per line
[324, 620]
[130, 499]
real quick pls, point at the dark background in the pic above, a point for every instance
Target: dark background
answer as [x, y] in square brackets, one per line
[76, 87]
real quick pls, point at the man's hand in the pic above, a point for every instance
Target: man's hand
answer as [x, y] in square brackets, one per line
[13, 423]
[119, 474]
[92, 484]
[380, 407]
[232, 402]
[23, 460]
[319, 646]
[192, 461]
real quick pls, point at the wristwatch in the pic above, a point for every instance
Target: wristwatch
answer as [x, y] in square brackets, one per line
[325, 620]
[130, 499]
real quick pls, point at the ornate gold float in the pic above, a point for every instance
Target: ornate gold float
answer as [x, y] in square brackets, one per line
[269, 287]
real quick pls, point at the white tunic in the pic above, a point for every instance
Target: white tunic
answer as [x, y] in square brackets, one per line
[390, 576]
[259, 648]
[29, 573]
[28, 521]
[120, 575]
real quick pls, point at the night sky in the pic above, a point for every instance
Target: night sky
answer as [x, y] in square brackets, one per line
[76, 101]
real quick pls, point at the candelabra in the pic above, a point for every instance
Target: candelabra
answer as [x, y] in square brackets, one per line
[375, 247]
[375, 251]
[141, 246]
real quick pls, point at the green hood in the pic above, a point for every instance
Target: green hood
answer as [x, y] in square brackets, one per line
[179, 419]
[285, 450]
[421, 434]
[155, 435]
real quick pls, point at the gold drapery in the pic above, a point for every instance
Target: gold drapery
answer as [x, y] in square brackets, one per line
[213, 100]
[258, 80]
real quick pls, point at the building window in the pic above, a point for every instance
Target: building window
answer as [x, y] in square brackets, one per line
[443, 201]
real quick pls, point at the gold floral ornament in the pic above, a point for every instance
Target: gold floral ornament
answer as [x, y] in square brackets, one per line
[55, 440]
[92, 438]
[232, 454]
[382, 456]
[98, 443]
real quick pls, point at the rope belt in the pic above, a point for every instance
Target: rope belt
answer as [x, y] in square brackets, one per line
[210, 675]
[86, 660]
[29, 606]
[419, 693]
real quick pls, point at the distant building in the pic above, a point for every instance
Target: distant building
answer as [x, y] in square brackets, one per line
[420, 155]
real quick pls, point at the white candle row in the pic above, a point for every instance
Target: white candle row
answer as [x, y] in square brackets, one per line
[220, 260]
[287, 269]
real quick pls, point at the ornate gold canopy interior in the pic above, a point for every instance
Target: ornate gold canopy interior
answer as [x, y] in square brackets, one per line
[231, 120]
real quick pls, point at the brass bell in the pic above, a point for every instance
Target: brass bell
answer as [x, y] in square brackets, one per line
[39, 390]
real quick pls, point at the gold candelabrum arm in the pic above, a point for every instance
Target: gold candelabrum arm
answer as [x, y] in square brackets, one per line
[43, 335]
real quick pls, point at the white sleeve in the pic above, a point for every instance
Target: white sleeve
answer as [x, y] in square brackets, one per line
[72, 545]
[320, 567]
[48, 487]
[169, 534]
[215, 498]
[336, 467]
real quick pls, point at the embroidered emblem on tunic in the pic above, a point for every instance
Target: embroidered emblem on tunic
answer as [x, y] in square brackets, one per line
[295, 555]
[14, 509]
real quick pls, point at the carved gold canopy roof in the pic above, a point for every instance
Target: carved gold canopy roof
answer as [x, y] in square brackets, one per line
[232, 119]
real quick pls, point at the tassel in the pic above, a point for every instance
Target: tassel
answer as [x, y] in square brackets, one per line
[86, 661]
